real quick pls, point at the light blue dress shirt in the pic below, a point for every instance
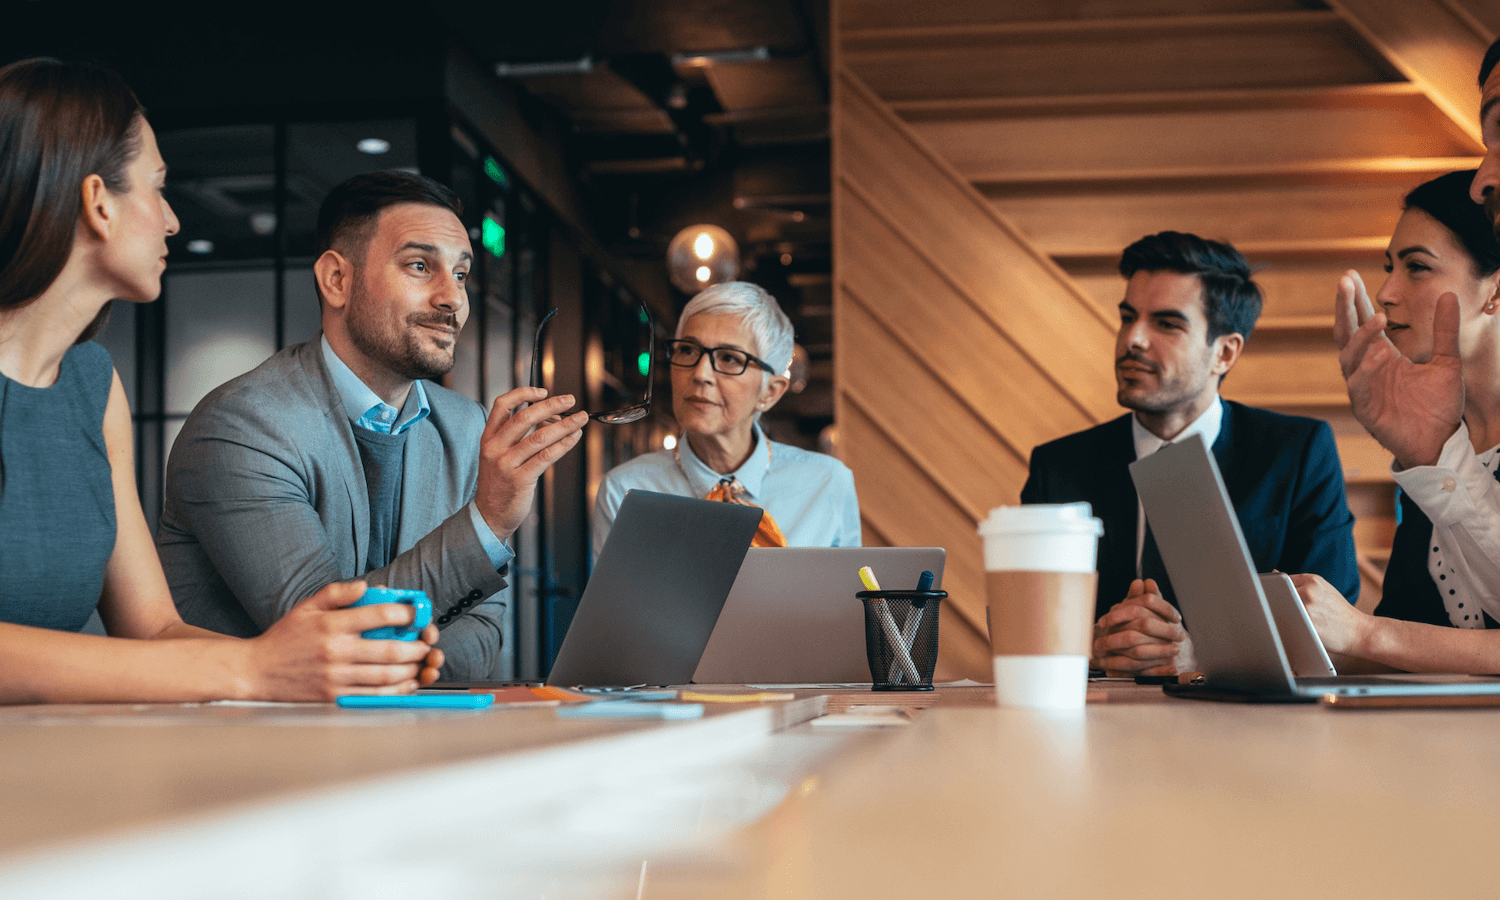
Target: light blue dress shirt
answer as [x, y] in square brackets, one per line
[365, 409]
[810, 495]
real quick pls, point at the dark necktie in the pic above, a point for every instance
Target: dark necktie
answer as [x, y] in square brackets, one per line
[1153, 567]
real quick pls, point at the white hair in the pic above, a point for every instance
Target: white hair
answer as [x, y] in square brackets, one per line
[770, 329]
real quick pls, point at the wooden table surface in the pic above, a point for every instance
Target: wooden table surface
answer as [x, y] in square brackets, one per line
[1145, 799]
[1137, 796]
[299, 794]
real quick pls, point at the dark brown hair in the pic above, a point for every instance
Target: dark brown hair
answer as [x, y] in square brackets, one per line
[1487, 65]
[1231, 299]
[1446, 199]
[346, 220]
[351, 208]
[59, 123]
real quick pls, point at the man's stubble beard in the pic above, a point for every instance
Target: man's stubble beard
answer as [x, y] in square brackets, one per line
[397, 347]
[1167, 397]
[1150, 405]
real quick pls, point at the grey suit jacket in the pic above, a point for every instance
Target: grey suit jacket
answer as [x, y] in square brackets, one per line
[266, 503]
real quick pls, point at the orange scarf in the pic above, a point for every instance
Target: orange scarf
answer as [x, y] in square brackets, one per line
[729, 490]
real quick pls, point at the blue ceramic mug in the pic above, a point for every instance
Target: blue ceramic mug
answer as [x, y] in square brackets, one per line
[417, 600]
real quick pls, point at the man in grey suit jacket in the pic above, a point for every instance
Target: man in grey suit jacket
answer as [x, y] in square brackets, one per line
[334, 460]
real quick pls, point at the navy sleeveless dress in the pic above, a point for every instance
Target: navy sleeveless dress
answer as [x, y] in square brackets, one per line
[57, 504]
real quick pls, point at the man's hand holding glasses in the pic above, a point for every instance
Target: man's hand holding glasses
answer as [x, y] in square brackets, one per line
[517, 447]
[627, 414]
[527, 432]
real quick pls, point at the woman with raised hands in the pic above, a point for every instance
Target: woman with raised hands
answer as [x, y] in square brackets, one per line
[1423, 366]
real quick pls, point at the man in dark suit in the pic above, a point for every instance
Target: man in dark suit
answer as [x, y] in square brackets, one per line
[1190, 305]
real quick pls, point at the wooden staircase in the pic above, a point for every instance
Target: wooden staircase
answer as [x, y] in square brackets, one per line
[992, 160]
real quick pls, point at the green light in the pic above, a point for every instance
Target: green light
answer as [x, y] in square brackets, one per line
[643, 363]
[492, 236]
[645, 319]
[493, 170]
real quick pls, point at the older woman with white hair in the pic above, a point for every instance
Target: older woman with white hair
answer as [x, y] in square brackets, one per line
[729, 365]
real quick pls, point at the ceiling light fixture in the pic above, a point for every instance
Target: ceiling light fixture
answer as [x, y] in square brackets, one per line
[200, 246]
[797, 369]
[263, 223]
[702, 255]
[373, 146]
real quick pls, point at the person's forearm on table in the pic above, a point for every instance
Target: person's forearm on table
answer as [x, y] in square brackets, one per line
[1417, 647]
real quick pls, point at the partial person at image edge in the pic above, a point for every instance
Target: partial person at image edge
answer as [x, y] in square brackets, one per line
[84, 223]
[1420, 365]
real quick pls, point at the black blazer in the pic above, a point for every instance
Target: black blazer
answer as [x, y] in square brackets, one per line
[1408, 591]
[1283, 477]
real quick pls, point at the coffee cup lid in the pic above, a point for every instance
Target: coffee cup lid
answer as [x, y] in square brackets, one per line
[1032, 518]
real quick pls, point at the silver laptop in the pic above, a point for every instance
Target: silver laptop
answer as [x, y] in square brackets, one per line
[792, 617]
[1304, 649]
[1224, 606]
[656, 591]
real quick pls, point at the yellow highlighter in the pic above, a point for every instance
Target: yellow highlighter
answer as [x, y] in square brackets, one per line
[888, 625]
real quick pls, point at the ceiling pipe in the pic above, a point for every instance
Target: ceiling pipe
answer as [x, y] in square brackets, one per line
[721, 57]
[581, 66]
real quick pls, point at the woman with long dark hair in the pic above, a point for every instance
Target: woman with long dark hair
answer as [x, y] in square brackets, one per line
[1441, 596]
[82, 223]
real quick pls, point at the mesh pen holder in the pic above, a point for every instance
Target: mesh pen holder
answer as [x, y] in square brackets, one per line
[901, 638]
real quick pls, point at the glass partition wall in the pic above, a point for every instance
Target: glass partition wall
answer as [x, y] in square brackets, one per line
[239, 287]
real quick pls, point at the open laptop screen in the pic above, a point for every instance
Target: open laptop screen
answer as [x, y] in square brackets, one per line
[656, 591]
[1204, 551]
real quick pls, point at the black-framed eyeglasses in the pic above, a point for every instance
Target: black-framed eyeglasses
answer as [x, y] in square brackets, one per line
[624, 415]
[725, 360]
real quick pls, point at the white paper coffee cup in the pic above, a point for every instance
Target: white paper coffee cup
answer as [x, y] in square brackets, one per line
[1040, 580]
[1047, 537]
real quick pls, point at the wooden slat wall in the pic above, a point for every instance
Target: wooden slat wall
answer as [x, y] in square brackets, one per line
[1431, 42]
[1218, 131]
[992, 160]
[867, 14]
[916, 294]
[1261, 50]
